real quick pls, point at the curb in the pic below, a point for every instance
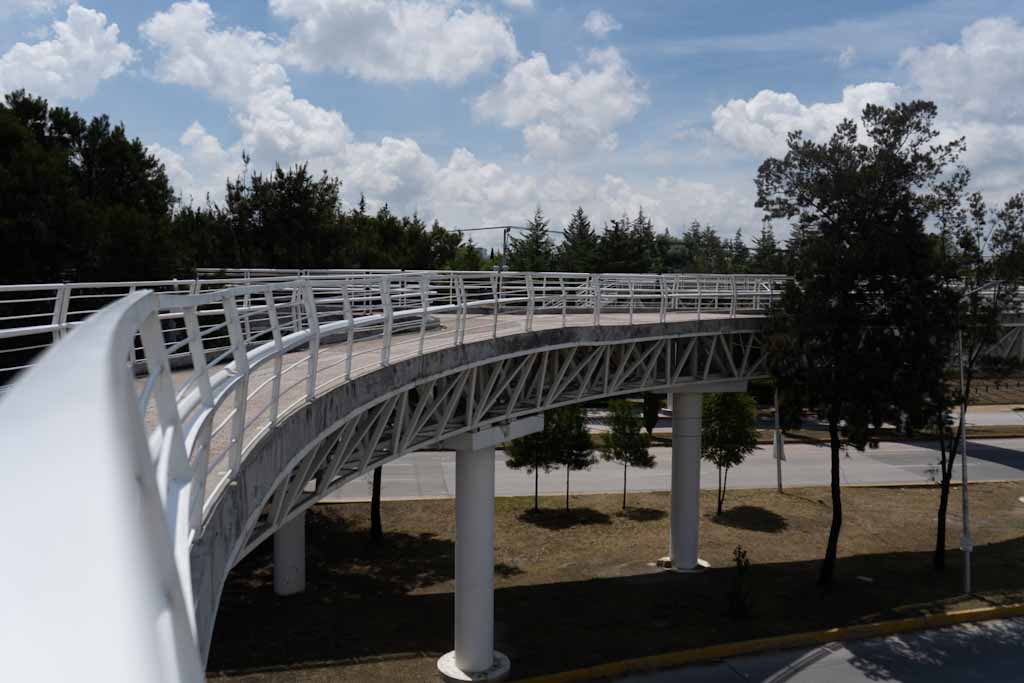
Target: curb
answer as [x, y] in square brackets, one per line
[746, 647]
[920, 484]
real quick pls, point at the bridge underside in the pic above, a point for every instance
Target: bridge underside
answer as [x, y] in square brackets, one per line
[419, 402]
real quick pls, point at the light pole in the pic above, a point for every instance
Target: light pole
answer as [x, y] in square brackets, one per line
[777, 444]
[966, 544]
[506, 231]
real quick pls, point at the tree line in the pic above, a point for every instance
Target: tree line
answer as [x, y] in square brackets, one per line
[81, 200]
[631, 245]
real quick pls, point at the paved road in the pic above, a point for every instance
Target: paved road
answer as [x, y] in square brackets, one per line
[432, 473]
[989, 651]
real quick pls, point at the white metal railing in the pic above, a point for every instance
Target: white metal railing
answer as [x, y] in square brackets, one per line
[33, 317]
[248, 352]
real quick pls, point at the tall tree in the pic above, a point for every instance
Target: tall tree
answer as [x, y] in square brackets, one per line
[287, 219]
[566, 431]
[564, 442]
[78, 199]
[578, 251]
[856, 330]
[645, 244]
[739, 254]
[617, 249]
[980, 254]
[728, 434]
[703, 250]
[533, 453]
[626, 442]
[534, 252]
[767, 256]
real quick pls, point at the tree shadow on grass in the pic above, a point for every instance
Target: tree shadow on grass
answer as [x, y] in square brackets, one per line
[752, 518]
[555, 519]
[343, 562]
[666, 611]
[643, 514]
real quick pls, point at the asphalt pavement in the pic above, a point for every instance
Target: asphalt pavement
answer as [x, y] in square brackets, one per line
[431, 474]
[987, 651]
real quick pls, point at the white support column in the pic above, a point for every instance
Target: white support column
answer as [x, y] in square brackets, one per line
[685, 514]
[474, 657]
[290, 557]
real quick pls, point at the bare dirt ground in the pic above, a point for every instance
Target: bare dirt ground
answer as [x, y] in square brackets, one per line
[578, 588]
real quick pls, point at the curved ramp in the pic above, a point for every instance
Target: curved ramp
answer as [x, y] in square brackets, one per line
[286, 390]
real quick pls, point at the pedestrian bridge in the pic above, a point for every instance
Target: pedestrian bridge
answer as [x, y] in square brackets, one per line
[179, 424]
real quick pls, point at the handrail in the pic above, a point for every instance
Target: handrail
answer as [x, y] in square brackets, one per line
[106, 402]
[118, 494]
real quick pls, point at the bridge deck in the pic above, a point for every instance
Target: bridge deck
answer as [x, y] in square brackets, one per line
[334, 356]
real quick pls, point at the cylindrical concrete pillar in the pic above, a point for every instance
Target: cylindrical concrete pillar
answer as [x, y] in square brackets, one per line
[290, 557]
[474, 560]
[685, 517]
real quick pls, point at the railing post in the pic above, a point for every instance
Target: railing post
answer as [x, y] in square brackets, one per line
[631, 290]
[460, 312]
[350, 319]
[201, 445]
[732, 306]
[496, 294]
[424, 306]
[270, 299]
[596, 279]
[313, 320]
[242, 387]
[530, 302]
[385, 299]
[60, 312]
[565, 297]
[699, 296]
[663, 309]
[173, 472]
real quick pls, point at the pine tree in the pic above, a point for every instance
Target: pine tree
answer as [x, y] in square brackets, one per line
[566, 430]
[739, 254]
[767, 256]
[626, 442]
[532, 453]
[578, 251]
[533, 252]
[617, 249]
[645, 248]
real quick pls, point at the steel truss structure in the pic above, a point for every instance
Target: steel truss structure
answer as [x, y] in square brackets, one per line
[422, 415]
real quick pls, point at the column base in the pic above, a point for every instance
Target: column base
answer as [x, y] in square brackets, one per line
[451, 674]
[666, 564]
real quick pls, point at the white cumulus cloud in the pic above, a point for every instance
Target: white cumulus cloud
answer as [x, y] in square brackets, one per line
[760, 125]
[981, 76]
[398, 41]
[977, 83]
[82, 51]
[29, 7]
[599, 23]
[556, 111]
[246, 70]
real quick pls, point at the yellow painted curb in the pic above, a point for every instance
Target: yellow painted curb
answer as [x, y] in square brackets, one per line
[746, 647]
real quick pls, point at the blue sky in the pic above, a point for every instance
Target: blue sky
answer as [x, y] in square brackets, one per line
[476, 112]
